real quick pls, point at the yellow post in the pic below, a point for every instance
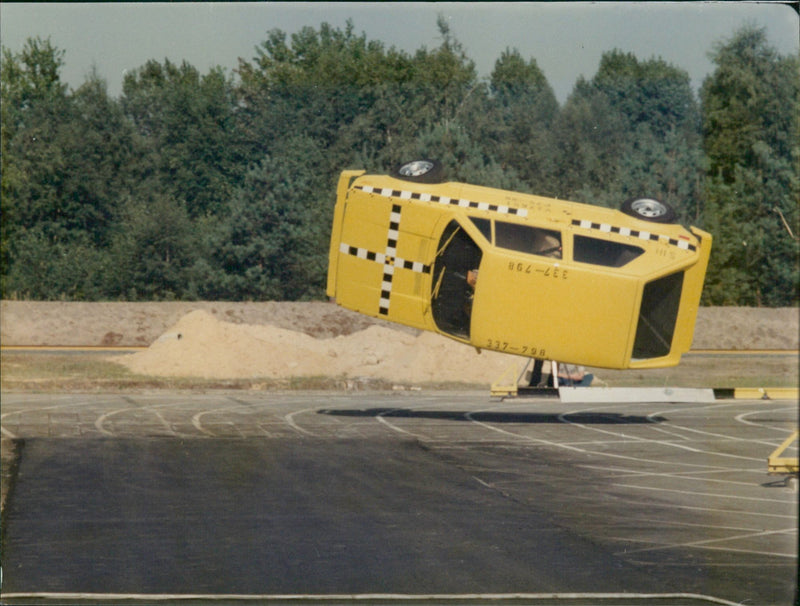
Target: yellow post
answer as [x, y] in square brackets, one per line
[779, 464]
[506, 384]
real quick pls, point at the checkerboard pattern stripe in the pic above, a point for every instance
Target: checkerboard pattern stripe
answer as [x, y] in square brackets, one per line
[388, 259]
[625, 231]
[388, 192]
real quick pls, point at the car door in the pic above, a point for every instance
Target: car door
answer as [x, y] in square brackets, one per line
[382, 257]
[455, 272]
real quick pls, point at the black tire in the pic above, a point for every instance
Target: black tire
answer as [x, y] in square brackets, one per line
[419, 171]
[649, 209]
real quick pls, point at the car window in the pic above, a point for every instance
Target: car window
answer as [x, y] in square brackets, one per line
[604, 252]
[455, 274]
[527, 239]
[484, 226]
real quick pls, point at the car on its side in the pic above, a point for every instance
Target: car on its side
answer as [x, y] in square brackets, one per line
[518, 273]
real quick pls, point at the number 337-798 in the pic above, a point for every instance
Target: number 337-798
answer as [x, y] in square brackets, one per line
[538, 352]
[528, 268]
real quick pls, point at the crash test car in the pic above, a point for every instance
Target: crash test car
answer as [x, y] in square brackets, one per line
[518, 273]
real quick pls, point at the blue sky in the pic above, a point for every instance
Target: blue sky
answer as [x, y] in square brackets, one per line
[566, 38]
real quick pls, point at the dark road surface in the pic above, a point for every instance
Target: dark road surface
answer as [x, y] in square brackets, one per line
[385, 495]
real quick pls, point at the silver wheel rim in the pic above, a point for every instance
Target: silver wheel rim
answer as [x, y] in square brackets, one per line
[647, 207]
[416, 168]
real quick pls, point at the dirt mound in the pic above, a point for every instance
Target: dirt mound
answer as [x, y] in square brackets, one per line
[200, 345]
[140, 324]
[278, 340]
[129, 324]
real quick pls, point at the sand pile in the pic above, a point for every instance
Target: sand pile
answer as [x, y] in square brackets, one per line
[200, 345]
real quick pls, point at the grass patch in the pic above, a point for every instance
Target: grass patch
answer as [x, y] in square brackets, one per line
[39, 372]
[43, 367]
[54, 372]
[716, 371]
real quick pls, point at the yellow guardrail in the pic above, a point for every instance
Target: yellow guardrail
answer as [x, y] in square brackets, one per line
[743, 352]
[766, 393]
[70, 348]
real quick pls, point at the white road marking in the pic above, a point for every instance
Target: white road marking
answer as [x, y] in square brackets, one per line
[707, 544]
[715, 510]
[102, 419]
[381, 419]
[632, 473]
[196, 419]
[643, 439]
[38, 409]
[741, 419]
[291, 422]
[371, 597]
[703, 494]
[570, 446]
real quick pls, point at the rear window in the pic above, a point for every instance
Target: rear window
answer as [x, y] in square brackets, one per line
[658, 315]
[604, 252]
[529, 240]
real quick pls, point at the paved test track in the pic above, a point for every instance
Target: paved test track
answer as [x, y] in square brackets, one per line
[450, 493]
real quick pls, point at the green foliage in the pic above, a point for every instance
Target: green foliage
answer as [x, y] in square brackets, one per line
[47, 267]
[152, 251]
[66, 159]
[33, 102]
[273, 244]
[186, 124]
[750, 124]
[221, 186]
[631, 131]
[525, 108]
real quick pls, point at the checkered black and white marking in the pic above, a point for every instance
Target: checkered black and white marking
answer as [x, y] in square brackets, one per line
[388, 259]
[626, 231]
[388, 192]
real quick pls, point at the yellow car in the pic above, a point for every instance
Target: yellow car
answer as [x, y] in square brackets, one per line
[518, 273]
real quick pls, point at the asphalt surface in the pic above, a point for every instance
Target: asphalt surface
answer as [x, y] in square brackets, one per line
[281, 496]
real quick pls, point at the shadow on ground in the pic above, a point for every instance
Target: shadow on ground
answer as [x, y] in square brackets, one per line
[586, 418]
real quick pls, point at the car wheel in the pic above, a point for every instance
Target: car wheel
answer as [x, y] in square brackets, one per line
[419, 171]
[649, 209]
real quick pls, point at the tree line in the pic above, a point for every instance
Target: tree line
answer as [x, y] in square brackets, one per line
[220, 186]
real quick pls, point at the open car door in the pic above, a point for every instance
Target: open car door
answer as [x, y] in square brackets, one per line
[456, 268]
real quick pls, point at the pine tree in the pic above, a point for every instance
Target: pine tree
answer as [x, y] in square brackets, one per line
[750, 127]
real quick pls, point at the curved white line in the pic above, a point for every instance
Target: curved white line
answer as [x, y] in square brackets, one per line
[40, 409]
[718, 435]
[573, 448]
[22, 411]
[662, 442]
[101, 420]
[199, 426]
[741, 419]
[626, 438]
[291, 422]
[695, 408]
[525, 438]
[380, 418]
